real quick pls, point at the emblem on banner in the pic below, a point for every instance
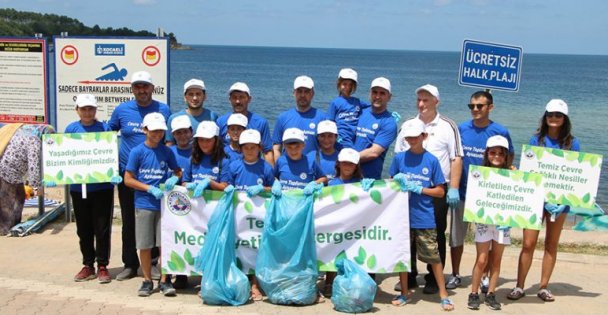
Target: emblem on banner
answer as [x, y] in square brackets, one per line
[178, 203]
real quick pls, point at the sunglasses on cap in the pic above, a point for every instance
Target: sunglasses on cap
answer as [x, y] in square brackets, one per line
[476, 106]
[554, 114]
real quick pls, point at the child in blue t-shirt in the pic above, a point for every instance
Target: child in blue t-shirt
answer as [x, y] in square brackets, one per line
[293, 169]
[182, 135]
[148, 166]
[418, 172]
[209, 165]
[236, 124]
[327, 153]
[93, 213]
[345, 109]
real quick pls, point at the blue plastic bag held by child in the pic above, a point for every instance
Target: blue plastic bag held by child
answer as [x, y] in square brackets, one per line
[223, 282]
[353, 289]
[286, 266]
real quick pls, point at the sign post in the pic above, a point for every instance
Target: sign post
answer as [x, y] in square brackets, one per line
[490, 65]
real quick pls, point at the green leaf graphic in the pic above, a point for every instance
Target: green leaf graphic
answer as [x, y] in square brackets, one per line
[76, 136]
[376, 196]
[171, 265]
[521, 221]
[360, 259]
[188, 257]
[337, 193]
[532, 219]
[59, 175]
[180, 265]
[239, 264]
[110, 172]
[469, 216]
[394, 186]
[353, 198]
[503, 172]
[248, 207]
[558, 152]
[586, 198]
[480, 213]
[371, 262]
[399, 267]
[489, 221]
[341, 255]
[593, 160]
[379, 183]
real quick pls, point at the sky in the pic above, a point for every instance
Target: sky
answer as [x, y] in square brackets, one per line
[556, 27]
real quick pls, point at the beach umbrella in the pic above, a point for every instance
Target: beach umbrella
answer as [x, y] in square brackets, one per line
[584, 212]
[598, 223]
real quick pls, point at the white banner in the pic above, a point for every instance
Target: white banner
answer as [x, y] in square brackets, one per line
[370, 228]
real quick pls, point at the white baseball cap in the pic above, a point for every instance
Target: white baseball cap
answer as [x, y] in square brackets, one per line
[413, 128]
[303, 81]
[497, 141]
[83, 100]
[291, 135]
[207, 129]
[194, 84]
[349, 155]
[141, 77]
[155, 121]
[327, 126]
[557, 105]
[239, 86]
[348, 73]
[238, 119]
[180, 122]
[429, 88]
[382, 82]
[250, 136]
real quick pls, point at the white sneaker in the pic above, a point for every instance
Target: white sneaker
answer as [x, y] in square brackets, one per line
[453, 283]
[485, 283]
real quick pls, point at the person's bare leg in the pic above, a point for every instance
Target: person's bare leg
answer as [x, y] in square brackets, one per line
[495, 259]
[553, 233]
[526, 255]
[145, 257]
[480, 265]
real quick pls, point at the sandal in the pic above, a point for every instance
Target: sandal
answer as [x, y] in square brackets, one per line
[545, 295]
[320, 298]
[399, 300]
[447, 304]
[516, 294]
[327, 290]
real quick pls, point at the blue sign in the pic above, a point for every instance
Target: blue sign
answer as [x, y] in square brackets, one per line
[490, 65]
[109, 49]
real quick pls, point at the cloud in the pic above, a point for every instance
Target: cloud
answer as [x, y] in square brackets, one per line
[144, 2]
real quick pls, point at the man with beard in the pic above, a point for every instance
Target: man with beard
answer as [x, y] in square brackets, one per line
[128, 118]
[195, 96]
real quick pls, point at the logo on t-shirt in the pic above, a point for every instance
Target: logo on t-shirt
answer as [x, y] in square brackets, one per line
[425, 171]
[215, 170]
[163, 165]
[375, 126]
[303, 176]
[260, 181]
[312, 125]
[178, 203]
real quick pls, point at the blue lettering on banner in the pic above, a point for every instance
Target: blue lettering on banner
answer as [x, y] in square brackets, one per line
[490, 65]
[109, 49]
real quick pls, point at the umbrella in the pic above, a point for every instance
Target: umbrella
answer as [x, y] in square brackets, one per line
[598, 223]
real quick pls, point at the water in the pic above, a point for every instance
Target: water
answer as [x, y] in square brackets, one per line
[269, 72]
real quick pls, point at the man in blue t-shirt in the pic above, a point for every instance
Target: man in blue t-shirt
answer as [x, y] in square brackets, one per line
[376, 129]
[473, 136]
[195, 96]
[127, 118]
[240, 97]
[303, 116]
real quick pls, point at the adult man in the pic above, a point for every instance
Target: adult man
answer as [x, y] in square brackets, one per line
[127, 118]
[195, 96]
[443, 141]
[376, 129]
[474, 135]
[240, 97]
[303, 116]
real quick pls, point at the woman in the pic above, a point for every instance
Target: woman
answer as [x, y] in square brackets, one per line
[554, 132]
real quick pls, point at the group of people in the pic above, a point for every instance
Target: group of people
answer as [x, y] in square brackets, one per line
[307, 150]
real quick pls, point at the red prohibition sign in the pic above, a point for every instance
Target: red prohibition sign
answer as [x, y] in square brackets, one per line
[69, 55]
[151, 56]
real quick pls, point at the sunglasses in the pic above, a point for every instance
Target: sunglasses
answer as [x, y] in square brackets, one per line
[476, 106]
[554, 114]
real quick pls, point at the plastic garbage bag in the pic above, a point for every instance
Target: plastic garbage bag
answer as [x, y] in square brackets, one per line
[223, 282]
[286, 266]
[353, 289]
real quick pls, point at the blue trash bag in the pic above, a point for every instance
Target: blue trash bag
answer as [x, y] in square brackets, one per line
[223, 282]
[286, 266]
[353, 289]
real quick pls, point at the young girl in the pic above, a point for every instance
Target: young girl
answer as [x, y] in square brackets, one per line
[253, 175]
[182, 136]
[93, 214]
[488, 236]
[236, 124]
[148, 166]
[345, 109]
[208, 166]
[554, 132]
[419, 172]
[327, 154]
[293, 169]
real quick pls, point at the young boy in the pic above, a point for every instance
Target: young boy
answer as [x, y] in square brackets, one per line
[293, 169]
[327, 153]
[93, 214]
[148, 166]
[419, 172]
[236, 124]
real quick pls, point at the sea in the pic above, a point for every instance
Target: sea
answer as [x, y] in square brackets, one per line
[580, 80]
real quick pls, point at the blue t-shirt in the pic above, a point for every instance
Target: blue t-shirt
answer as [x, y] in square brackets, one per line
[182, 156]
[242, 174]
[255, 121]
[424, 169]
[345, 111]
[307, 122]
[150, 166]
[338, 181]
[554, 143]
[127, 118]
[231, 154]
[380, 129]
[473, 141]
[77, 127]
[206, 169]
[295, 174]
[327, 163]
[206, 115]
